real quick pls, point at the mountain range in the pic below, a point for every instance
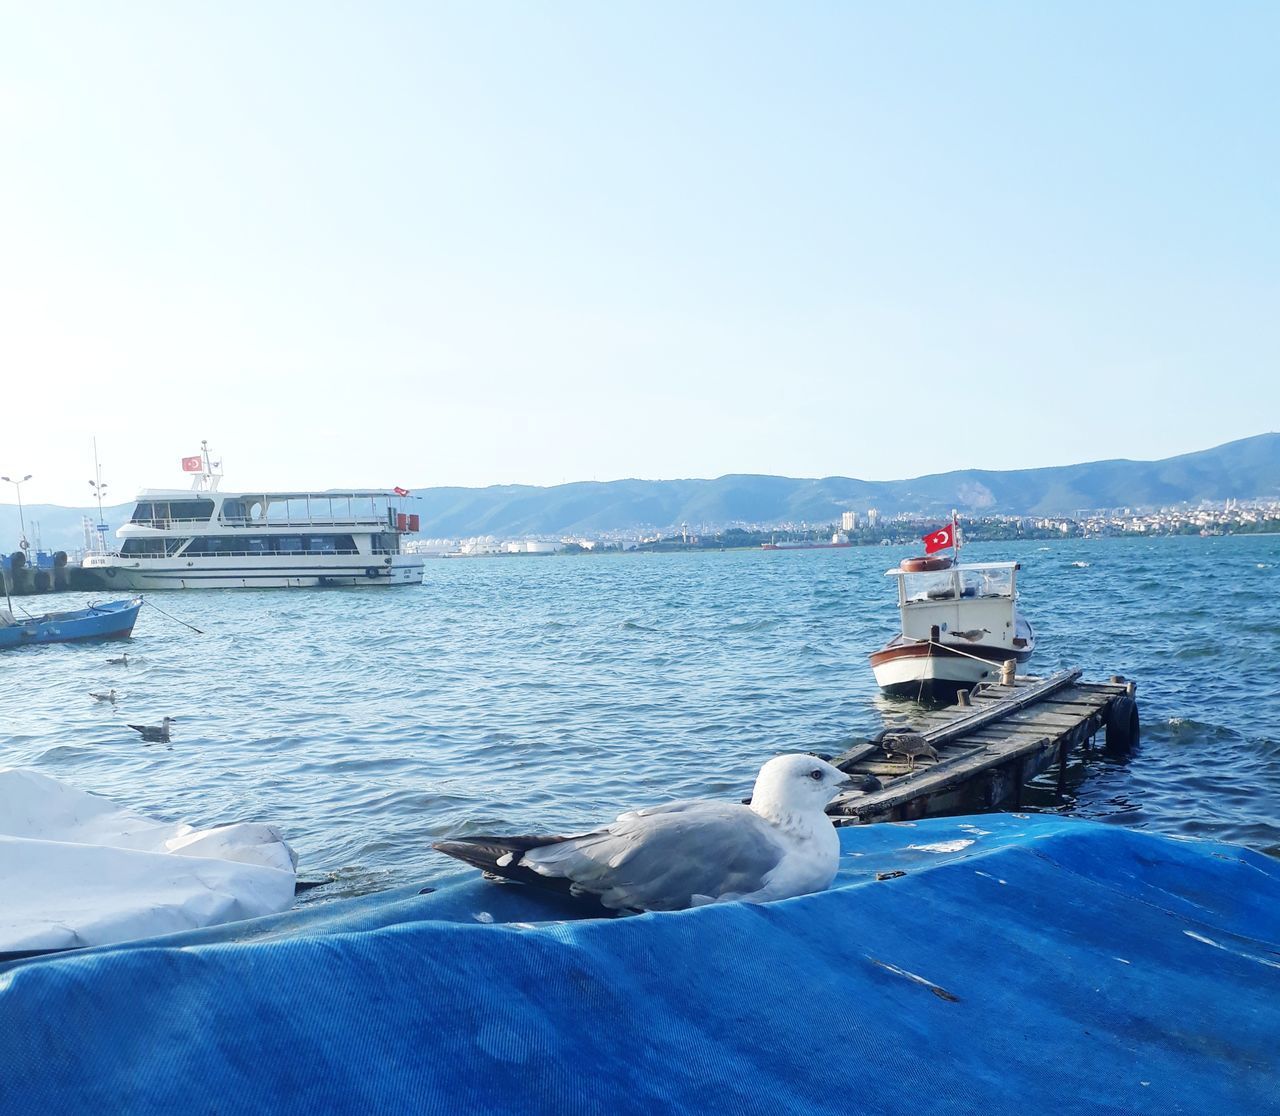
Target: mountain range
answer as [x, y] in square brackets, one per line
[1243, 469]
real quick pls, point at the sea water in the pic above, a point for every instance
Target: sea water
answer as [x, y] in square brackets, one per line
[547, 694]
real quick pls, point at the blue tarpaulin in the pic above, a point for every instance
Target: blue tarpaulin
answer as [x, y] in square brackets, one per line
[1005, 963]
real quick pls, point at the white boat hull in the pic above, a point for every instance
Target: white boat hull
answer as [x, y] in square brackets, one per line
[259, 572]
[906, 677]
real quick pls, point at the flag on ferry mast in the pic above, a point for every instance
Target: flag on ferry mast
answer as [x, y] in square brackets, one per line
[193, 464]
[400, 491]
[940, 539]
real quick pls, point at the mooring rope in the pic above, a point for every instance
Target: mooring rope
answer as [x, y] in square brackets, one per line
[953, 649]
[173, 618]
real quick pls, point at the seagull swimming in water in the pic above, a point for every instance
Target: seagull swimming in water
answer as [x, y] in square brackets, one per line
[155, 734]
[691, 853]
[120, 660]
[110, 696]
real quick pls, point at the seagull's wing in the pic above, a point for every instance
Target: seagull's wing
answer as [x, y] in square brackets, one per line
[668, 857]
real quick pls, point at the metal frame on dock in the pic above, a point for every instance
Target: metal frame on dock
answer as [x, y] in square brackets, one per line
[989, 746]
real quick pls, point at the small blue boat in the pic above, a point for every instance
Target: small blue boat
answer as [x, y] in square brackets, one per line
[113, 620]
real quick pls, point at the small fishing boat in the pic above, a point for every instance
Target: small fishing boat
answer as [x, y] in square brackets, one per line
[960, 624]
[113, 620]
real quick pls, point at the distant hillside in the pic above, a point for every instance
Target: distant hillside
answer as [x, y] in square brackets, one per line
[1243, 469]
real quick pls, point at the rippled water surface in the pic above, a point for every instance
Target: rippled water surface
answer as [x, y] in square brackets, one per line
[538, 694]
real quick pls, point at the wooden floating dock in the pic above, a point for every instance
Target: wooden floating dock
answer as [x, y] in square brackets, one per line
[989, 746]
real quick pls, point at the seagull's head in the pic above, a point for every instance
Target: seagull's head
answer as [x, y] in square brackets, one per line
[796, 784]
[168, 720]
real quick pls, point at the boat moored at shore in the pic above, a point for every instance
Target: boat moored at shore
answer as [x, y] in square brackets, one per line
[205, 539]
[219, 540]
[113, 620]
[960, 623]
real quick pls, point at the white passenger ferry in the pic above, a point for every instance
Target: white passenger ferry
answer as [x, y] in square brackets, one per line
[205, 539]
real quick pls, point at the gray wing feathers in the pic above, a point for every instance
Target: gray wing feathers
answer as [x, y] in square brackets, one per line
[661, 858]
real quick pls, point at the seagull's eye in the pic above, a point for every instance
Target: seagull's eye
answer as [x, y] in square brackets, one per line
[816, 773]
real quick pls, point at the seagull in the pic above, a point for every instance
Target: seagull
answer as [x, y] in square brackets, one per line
[690, 853]
[155, 734]
[909, 744]
[110, 696]
[122, 660]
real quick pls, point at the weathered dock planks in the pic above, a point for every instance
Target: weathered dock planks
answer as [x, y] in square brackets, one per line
[988, 749]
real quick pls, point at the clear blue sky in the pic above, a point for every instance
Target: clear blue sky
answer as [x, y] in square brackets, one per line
[428, 243]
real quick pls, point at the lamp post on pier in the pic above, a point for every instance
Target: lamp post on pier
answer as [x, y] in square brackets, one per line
[22, 523]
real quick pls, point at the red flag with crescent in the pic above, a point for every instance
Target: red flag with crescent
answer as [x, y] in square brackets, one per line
[400, 491]
[193, 464]
[940, 539]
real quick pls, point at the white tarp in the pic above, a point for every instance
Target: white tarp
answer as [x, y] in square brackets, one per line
[77, 870]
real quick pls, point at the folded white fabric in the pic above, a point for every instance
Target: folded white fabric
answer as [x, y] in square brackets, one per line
[77, 870]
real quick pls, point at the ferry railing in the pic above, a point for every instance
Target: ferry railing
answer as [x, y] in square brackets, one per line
[162, 523]
[344, 553]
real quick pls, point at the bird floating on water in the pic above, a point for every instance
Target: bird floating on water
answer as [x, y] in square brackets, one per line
[909, 744]
[110, 696]
[120, 660]
[155, 734]
[690, 853]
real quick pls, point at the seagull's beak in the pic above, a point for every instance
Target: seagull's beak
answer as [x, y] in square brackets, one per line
[846, 782]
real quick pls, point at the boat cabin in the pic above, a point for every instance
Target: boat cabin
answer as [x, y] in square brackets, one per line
[971, 602]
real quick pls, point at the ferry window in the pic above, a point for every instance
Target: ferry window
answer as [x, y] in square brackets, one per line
[321, 544]
[232, 511]
[257, 546]
[143, 513]
[288, 511]
[287, 544]
[205, 547]
[149, 547]
[190, 509]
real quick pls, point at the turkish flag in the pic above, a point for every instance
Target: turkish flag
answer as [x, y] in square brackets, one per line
[942, 538]
[193, 464]
[400, 491]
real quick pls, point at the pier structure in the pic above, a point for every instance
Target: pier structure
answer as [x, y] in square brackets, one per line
[988, 746]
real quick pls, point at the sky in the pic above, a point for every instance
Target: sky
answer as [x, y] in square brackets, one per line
[466, 244]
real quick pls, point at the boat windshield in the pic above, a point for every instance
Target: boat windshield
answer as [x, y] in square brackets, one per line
[937, 585]
[986, 583]
[941, 585]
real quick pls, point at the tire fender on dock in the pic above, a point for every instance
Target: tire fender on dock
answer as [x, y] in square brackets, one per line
[1123, 728]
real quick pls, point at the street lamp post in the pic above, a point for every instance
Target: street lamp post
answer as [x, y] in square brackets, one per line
[99, 490]
[22, 523]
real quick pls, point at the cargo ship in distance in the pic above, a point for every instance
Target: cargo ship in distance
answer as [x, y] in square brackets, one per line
[202, 538]
[838, 542]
